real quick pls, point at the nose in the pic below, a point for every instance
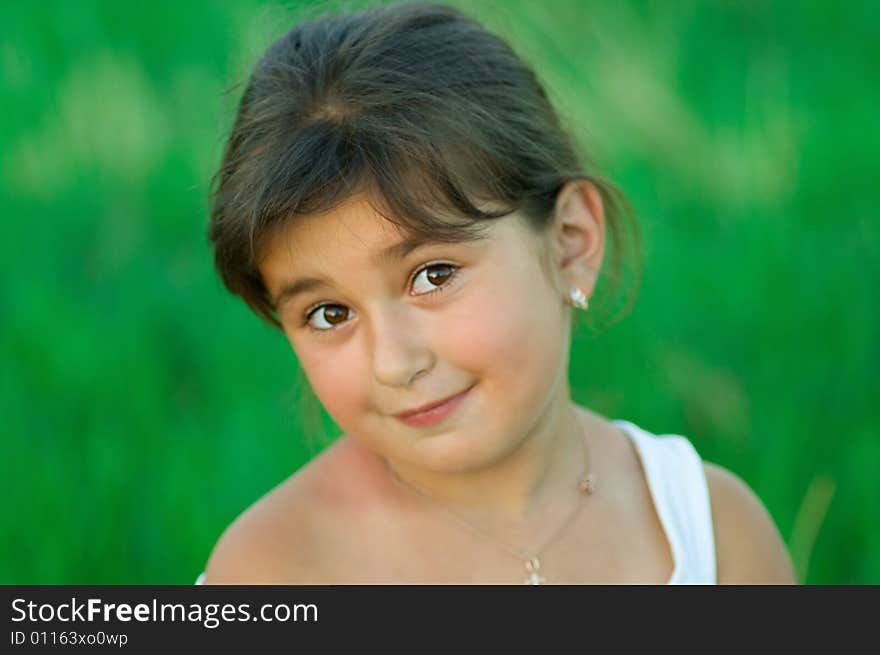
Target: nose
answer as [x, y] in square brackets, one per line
[400, 347]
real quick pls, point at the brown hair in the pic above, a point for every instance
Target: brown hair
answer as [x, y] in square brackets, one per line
[415, 104]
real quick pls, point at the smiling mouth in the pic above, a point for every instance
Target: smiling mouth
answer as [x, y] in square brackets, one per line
[426, 408]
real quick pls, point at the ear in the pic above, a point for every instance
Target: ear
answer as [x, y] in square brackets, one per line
[578, 234]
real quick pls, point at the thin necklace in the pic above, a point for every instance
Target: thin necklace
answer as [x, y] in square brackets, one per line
[586, 485]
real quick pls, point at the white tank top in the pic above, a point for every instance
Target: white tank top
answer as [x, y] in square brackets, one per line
[675, 477]
[677, 483]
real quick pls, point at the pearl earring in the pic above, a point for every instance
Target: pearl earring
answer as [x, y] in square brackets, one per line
[578, 299]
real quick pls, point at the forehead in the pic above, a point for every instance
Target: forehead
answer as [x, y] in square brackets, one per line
[358, 228]
[356, 236]
[354, 228]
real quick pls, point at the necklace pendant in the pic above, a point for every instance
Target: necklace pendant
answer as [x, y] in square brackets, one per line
[533, 567]
[587, 484]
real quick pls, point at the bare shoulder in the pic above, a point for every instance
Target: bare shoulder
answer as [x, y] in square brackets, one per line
[283, 537]
[748, 546]
[269, 541]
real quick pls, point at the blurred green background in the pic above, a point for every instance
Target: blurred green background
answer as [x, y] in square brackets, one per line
[143, 408]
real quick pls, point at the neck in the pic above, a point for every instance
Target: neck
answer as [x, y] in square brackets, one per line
[542, 467]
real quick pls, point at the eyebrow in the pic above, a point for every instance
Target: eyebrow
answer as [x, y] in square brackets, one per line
[393, 253]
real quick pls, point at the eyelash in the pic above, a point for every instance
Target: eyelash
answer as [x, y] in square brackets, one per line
[443, 287]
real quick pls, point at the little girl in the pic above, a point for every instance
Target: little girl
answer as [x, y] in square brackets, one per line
[399, 197]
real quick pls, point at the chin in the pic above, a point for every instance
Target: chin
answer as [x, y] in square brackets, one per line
[457, 452]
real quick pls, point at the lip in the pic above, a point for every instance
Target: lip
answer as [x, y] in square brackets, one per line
[433, 412]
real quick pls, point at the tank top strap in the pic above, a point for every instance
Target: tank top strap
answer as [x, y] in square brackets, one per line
[677, 483]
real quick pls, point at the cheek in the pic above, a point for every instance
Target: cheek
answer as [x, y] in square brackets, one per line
[335, 381]
[512, 338]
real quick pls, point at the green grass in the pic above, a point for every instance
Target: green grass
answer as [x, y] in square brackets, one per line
[143, 408]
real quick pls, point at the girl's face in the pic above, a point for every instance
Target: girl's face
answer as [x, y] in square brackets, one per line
[380, 329]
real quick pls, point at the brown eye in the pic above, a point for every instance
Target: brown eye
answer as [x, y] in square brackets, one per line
[326, 317]
[434, 276]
